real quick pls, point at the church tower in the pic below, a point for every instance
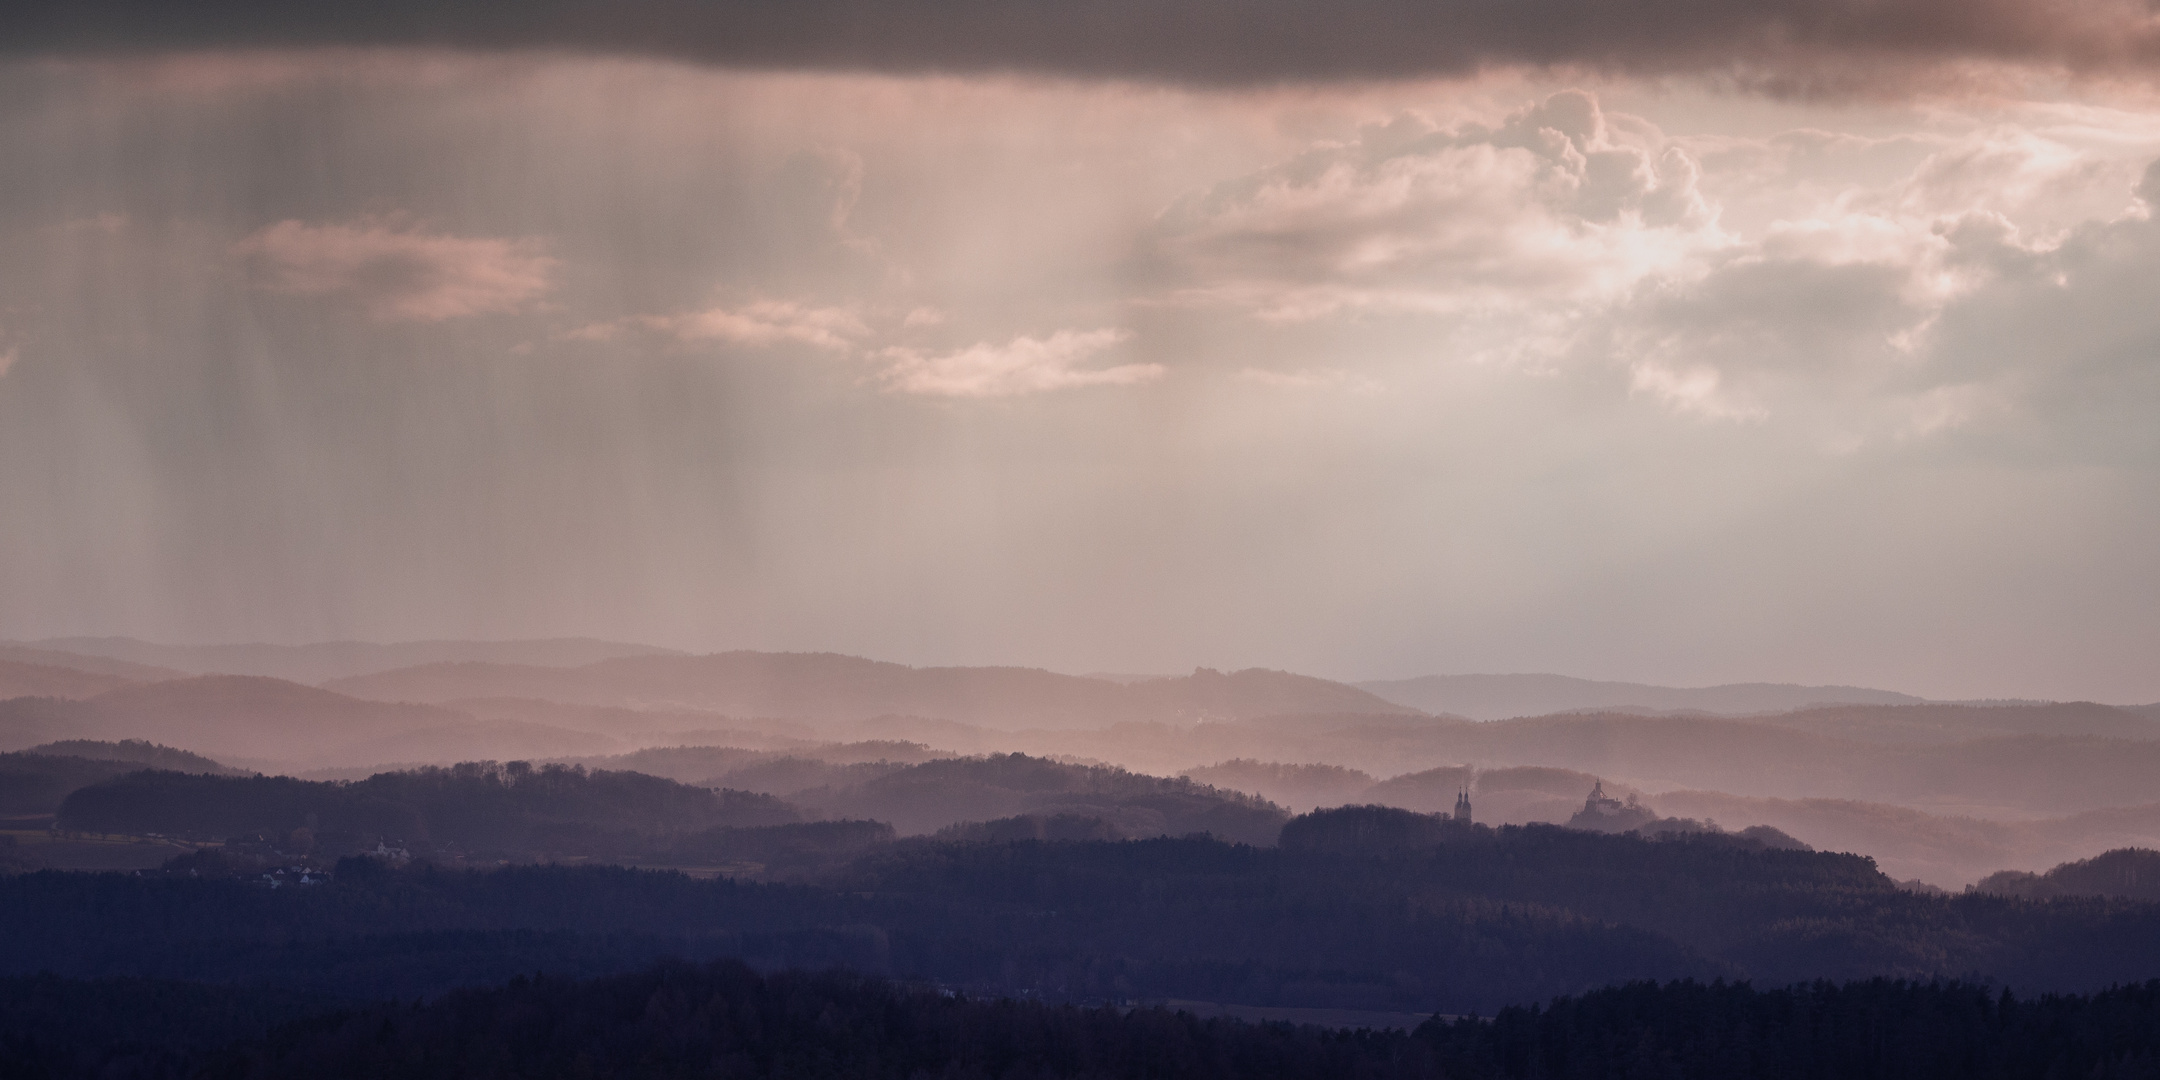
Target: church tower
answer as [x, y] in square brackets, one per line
[1462, 806]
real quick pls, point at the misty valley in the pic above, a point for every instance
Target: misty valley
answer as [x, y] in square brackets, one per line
[581, 858]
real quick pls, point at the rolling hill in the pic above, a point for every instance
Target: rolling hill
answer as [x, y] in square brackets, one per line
[47, 681]
[830, 687]
[322, 661]
[515, 810]
[271, 723]
[1498, 697]
[88, 662]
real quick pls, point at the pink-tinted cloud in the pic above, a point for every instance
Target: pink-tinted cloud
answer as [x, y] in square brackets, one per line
[397, 271]
[1024, 365]
[764, 323]
[1555, 204]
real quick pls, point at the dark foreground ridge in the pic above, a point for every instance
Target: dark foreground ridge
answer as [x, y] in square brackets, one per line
[723, 1019]
[1361, 909]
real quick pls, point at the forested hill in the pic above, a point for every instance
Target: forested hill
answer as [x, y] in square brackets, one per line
[935, 794]
[828, 686]
[1471, 919]
[32, 783]
[679, 1020]
[521, 813]
[481, 808]
[2129, 873]
[140, 752]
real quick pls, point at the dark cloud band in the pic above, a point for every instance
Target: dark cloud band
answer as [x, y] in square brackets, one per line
[1229, 42]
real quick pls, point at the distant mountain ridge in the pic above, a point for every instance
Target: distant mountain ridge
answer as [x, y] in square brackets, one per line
[829, 686]
[86, 662]
[320, 662]
[47, 681]
[258, 721]
[1502, 697]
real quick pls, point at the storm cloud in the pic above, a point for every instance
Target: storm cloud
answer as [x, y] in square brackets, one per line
[1791, 44]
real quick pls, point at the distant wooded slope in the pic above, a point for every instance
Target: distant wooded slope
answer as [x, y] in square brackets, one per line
[1497, 697]
[90, 662]
[259, 721]
[145, 754]
[513, 810]
[828, 686]
[47, 681]
[2127, 873]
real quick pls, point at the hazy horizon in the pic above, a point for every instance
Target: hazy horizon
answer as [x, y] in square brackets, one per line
[62, 644]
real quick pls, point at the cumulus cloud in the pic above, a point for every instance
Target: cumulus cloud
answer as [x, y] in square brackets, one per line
[1831, 317]
[1792, 44]
[396, 270]
[1556, 204]
[1024, 365]
[1568, 240]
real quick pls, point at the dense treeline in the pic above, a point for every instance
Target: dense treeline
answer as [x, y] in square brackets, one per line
[33, 784]
[1211, 935]
[2130, 873]
[36, 781]
[523, 813]
[795, 850]
[476, 807]
[682, 1020]
[921, 792]
[142, 752]
[128, 1027]
[1486, 918]
[1877, 1029]
[932, 795]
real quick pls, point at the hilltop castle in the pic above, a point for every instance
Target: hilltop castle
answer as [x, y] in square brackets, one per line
[1603, 813]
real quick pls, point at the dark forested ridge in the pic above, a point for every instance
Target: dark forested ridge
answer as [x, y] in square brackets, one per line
[522, 813]
[477, 808]
[36, 781]
[1188, 919]
[934, 794]
[1435, 917]
[681, 1020]
[34, 784]
[2128, 873]
[1359, 908]
[140, 752]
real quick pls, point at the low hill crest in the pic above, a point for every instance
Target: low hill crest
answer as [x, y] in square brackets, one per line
[19, 679]
[1499, 697]
[834, 687]
[318, 662]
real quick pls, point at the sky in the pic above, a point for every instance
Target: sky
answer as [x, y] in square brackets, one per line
[1669, 341]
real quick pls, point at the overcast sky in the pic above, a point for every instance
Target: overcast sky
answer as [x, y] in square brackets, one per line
[1679, 342]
